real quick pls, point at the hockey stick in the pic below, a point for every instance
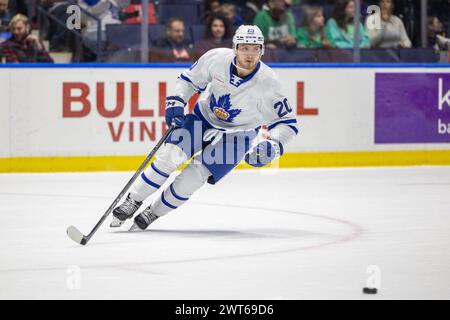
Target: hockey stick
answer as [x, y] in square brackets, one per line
[76, 235]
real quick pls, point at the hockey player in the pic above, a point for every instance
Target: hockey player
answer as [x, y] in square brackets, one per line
[239, 94]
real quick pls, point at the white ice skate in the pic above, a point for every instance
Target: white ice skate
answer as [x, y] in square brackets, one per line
[144, 219]
[125, 211]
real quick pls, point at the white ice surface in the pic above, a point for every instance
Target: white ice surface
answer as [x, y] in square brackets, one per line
[287, 234]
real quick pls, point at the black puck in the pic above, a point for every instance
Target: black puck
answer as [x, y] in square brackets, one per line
[370, 290]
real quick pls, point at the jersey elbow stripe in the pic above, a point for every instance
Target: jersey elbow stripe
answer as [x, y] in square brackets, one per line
[197, 88]
[182, 76]
[293, 128]
[150, 182]
[281, 122]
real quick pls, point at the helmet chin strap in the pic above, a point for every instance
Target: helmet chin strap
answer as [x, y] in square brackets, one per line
[241, 68]
[235, 64]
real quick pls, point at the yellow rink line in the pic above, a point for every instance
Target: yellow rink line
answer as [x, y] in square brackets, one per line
[289, 160]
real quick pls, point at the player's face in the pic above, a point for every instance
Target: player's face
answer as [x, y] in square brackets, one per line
[248, 55]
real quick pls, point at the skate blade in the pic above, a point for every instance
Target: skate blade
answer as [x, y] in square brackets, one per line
[115, 223]
[134, 227]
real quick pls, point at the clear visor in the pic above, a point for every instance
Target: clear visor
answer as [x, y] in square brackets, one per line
[249, 49]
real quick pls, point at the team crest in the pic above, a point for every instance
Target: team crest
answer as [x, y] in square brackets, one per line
[222, 108]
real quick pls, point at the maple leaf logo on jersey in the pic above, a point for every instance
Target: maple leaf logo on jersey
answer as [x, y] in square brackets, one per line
[222, 108]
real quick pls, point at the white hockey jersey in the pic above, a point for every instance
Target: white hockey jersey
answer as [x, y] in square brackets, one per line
[230, 103]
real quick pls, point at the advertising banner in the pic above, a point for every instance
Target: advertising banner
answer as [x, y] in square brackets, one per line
[412, 107]
[346, 116]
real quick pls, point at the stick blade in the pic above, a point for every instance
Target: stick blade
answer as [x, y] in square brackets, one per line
[76, 235]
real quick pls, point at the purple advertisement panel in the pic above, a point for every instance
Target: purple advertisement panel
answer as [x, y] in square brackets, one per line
[412, 107]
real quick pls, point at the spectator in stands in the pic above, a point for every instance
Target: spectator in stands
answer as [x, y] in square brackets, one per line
[391, 33]
[311, 33]
[277, 25]
[5, 15]
[108, 11]
[229, 11]
[218, 33]
[437, 38]
[5, 18]
[212, 7]
[18, 6]
[249, 9]
[340, 30]
[58, 35]
[440, 9]
[175, 41]
[23, 47]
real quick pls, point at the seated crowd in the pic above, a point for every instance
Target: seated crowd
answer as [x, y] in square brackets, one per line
[281, 28]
